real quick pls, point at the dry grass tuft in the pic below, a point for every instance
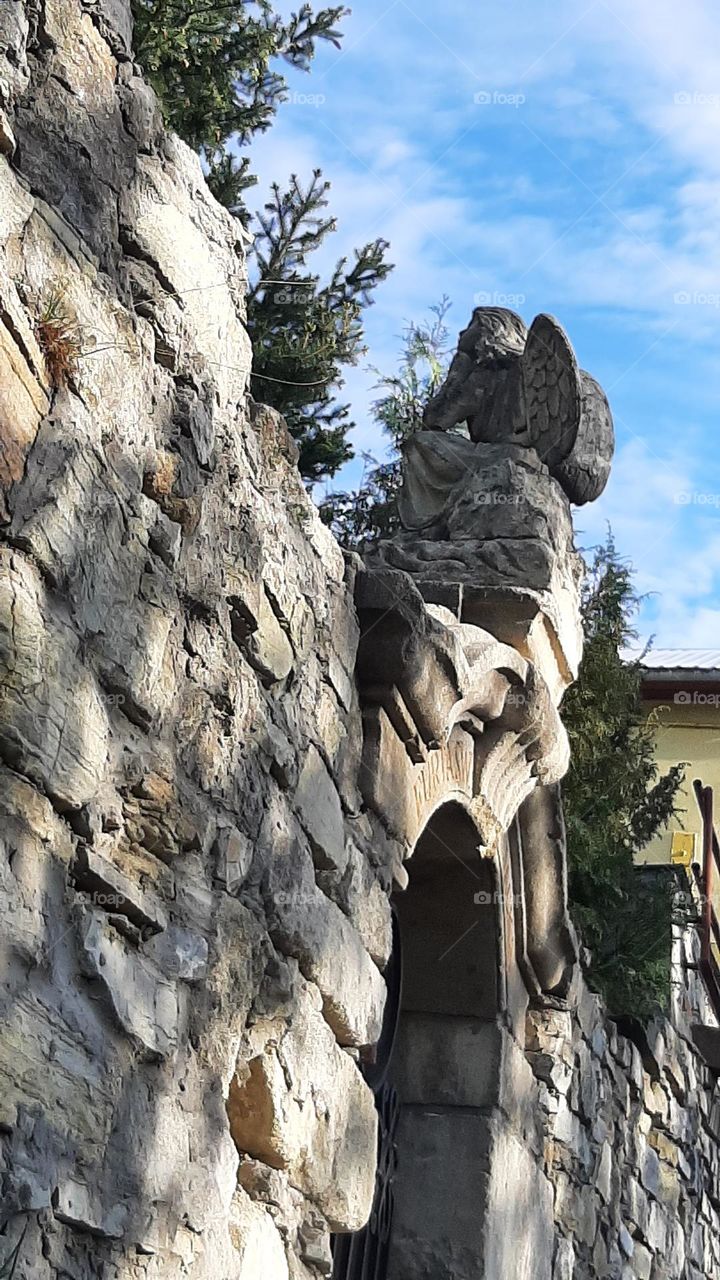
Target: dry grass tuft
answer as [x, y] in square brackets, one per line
[58, 335]
[162, 476]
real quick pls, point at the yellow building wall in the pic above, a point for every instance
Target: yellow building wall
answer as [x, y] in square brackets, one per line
[688, 733]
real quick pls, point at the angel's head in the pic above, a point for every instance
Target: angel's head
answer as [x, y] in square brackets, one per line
[493, 332]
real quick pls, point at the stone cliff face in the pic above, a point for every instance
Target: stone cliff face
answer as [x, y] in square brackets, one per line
[177, 644]
[219, 743]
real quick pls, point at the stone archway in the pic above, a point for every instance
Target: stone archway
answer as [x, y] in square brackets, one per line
[446, 1061]
[462, 747]
[468, 1198]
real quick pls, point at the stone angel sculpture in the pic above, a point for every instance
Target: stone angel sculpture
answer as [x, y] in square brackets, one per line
[512, 387]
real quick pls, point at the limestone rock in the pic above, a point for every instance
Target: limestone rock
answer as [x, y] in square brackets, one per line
[258, 1242]
[234, 854]
[102, 883]
[76, 1203]
[190, 243]
[319, 809]
[283, 1110]
[53, 725]
[303, 923]
[23, 403]
[143, 1000]
[259, 634]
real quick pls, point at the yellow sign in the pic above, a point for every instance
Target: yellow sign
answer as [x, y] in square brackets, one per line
[682, 849]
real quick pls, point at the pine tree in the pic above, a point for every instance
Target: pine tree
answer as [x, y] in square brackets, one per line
[615, 802]
[214, 67]
[303, 332]
[360, 517]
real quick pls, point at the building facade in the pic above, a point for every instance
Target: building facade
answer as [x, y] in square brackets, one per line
[681, 699]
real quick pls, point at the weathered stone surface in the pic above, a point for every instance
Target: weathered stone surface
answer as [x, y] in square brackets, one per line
[303, 923]
[302, 1106]
[53, 725]
[179, 953]
[456, 1061]
[258, 1241]
[234, 854]
[144, 1002]
[190, 242]
[319, 809]
[564, 1266]
[23, 403]
[101, 883]
[260, 636]
[506, 538]
[77, 1204]
[360, 895]
[499, 1226]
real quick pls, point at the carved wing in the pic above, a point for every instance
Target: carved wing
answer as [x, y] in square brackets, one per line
[584, 473]
[553, 396]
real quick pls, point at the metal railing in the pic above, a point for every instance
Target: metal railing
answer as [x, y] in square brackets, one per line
[709, 925]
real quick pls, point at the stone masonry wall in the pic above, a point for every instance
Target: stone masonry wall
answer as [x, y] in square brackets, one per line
[630, 1146]
[195, 890]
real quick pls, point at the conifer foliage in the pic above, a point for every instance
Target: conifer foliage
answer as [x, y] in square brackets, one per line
[615, 802]
[361, 516]
[215, 68]
[304, 332]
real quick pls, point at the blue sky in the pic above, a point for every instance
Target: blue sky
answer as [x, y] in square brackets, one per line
[560, 158]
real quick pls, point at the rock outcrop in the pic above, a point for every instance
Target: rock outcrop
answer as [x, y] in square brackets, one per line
[190, 911]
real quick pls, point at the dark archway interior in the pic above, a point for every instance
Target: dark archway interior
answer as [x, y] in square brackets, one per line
[446, 1064]
[448, 922]
[448, 1040]
[444, 1069]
